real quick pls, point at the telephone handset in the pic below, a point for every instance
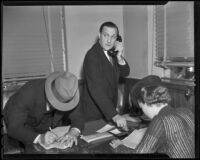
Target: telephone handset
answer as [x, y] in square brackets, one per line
[112, 51]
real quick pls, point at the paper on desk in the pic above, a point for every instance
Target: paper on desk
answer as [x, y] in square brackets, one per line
[97, 136]
[59, 131]
[101, 133]
[105, 128]
[115, 131]
[54, 145]
[134, 138]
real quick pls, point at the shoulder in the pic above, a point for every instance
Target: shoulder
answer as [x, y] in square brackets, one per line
[94, 51]
[183, 110]
[31, 88]
[34, 84]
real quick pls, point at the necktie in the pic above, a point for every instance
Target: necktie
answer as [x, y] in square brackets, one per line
[111, 54]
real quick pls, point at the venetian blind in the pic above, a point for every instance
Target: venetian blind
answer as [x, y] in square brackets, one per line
[159, 31]
[32, 41]
[180, 29]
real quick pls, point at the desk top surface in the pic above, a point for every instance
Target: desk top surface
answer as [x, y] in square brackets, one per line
[97, 147]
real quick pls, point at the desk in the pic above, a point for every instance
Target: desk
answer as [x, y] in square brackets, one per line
[100, 150]
[81, 148]
[98, 147]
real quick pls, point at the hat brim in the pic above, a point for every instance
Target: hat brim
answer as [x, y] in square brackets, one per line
[55, 102]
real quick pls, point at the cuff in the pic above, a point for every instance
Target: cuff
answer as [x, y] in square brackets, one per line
[36, 139]
[78, 130]
[121, 61]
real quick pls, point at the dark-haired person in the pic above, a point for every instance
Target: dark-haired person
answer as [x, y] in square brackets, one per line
[102, 71]
[171, 130]
[44, 103]
[134, 107]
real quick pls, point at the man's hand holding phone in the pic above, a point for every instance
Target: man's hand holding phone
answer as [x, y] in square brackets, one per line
[119, 49]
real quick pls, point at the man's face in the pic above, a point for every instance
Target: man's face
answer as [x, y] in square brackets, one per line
[108, 37]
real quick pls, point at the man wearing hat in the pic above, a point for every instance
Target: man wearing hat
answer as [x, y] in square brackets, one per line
[42, 104]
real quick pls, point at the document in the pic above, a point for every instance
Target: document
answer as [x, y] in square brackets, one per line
[60, 132]
[134, 138]
[54, 145]
[105, 128]
[115, 131]
[105, 132]
[96, 136]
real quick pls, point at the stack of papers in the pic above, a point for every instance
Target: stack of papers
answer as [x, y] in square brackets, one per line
[101, 133]
[95, 137]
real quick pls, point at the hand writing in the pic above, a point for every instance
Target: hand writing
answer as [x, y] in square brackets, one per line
[70, 138]
[48, 138]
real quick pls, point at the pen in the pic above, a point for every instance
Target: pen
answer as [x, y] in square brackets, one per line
[53, 132]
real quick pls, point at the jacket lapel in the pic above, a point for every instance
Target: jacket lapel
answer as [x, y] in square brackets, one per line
[109, 70]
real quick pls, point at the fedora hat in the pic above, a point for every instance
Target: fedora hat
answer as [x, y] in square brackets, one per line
[62, 91]
[148, 80]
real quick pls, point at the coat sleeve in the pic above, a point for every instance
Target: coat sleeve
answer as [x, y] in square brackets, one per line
[98, 86]
[16, 112]
[76, 117]
[154, 136]
[124, 70]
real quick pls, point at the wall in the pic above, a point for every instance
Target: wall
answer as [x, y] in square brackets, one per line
[136, 39]
[82, 28]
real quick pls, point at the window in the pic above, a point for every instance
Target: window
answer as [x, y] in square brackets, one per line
[174, 40]
[33, 43]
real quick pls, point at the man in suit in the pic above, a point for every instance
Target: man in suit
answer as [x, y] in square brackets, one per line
[101, 72]
[44, 103]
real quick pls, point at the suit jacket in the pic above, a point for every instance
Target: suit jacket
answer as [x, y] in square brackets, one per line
[100, 92]
[26, 116]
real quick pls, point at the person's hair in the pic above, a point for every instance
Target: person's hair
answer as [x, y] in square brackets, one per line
[108, 24]
[154, 94]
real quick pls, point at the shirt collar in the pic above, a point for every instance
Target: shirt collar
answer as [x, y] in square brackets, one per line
[106, 53]
[48, 108]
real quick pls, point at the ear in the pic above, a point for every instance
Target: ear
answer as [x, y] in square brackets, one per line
[99, 35]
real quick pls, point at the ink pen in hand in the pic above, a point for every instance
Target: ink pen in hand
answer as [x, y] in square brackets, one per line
[53, 133]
